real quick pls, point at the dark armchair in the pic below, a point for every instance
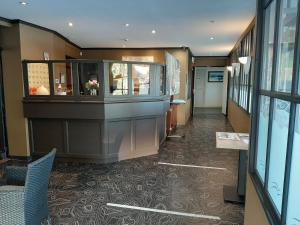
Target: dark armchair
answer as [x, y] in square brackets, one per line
[28, 204]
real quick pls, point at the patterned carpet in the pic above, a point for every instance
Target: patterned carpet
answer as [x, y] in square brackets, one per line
[79, 193]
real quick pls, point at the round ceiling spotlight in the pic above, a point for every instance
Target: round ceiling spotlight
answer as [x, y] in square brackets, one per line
[23, 3]
[153, 31]
[212, 38]
[70, 24]
[127, 24]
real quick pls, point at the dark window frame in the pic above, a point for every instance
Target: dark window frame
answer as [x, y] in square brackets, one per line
[293, 98]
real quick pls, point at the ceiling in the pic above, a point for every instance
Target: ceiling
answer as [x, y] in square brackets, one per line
[208, 27]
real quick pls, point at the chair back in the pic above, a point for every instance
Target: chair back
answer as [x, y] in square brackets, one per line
[36, 189]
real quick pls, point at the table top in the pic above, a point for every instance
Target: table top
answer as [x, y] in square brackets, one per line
[235, 141]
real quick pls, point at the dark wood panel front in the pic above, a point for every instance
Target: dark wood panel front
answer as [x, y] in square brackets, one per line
[47, 134]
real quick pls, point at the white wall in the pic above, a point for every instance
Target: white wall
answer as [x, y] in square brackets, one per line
[207, 94]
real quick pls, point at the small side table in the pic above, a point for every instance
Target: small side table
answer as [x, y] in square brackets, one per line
[236, 194]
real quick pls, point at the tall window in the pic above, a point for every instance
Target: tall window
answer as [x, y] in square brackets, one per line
[276, 167]
[241, 79]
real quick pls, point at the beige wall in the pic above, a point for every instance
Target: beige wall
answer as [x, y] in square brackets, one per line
[13, 89]
[34, 42]
[254, 212]
[116, 54]
[239, 119]
[211, 61]
[21, 42]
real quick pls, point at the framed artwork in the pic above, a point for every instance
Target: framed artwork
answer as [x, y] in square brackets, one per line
[215, 76]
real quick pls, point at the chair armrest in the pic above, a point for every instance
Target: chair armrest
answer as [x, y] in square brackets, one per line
[12, 205]
[15, 175]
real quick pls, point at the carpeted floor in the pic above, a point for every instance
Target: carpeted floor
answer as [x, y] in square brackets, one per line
[79, 193]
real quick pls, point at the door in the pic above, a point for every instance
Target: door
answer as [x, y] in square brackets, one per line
[199, 87]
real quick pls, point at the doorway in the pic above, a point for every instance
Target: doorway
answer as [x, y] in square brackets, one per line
[210, 88]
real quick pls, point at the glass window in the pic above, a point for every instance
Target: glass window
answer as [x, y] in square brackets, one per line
[118, 78]
[293, 216]
[140, 79]
[286, 45]
[280, 128]
[162, 81]
[268, 44]
[38, 79]
[263, 119]
[62, 77]
[236, 81]
[88, 78]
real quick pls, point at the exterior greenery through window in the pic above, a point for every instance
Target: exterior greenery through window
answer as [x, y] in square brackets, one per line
[275, 147]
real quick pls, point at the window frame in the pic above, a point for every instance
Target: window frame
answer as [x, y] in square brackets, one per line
[293, 98]
[246, 48]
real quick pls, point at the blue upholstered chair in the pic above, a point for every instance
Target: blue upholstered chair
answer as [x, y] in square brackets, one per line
[28, 204]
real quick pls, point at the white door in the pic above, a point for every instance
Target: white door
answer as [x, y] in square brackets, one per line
[199, 87]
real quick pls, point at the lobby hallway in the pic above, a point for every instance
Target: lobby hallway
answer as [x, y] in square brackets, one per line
[93, 194]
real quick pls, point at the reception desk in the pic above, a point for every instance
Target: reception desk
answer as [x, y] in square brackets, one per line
[101, 110]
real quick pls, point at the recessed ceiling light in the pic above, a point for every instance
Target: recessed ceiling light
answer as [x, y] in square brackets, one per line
[127, 25]
[23, 3]
[70, 24]
[153, 31]
[212, 38]
[125, 39]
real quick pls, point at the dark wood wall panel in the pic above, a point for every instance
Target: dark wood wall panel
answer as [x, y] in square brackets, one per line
[47, 134]
[84, 137]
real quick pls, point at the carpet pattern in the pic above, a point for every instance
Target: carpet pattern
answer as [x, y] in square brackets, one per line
[79, 193]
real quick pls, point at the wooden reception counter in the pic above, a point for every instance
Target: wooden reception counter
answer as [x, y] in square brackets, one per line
[101, 110]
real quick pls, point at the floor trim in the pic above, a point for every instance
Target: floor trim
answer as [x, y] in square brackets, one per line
[164, 211]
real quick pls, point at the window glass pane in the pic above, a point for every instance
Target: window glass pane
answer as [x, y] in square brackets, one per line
[38, 79]
[263, 119]
[268, 44]
[279, 139]
[118, 78]
[236, 81]
[140, 79]
[62, 76]
[88, 78]
[293, 216]
[286, 45]
[162, 81]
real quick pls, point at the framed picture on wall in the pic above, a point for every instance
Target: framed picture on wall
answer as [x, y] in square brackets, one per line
[215, 76]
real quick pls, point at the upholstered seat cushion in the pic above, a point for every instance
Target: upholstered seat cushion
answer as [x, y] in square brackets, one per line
[12, 205]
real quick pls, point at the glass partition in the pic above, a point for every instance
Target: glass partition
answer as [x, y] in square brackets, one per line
[286, 45]
[79, 78]
[162, 81]
[38, 79]
[293, 216]
[88, 75]
[62, 76]
[263, 118]
[118, 78]
[279, 138]
[268, 45]
[140, 79]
